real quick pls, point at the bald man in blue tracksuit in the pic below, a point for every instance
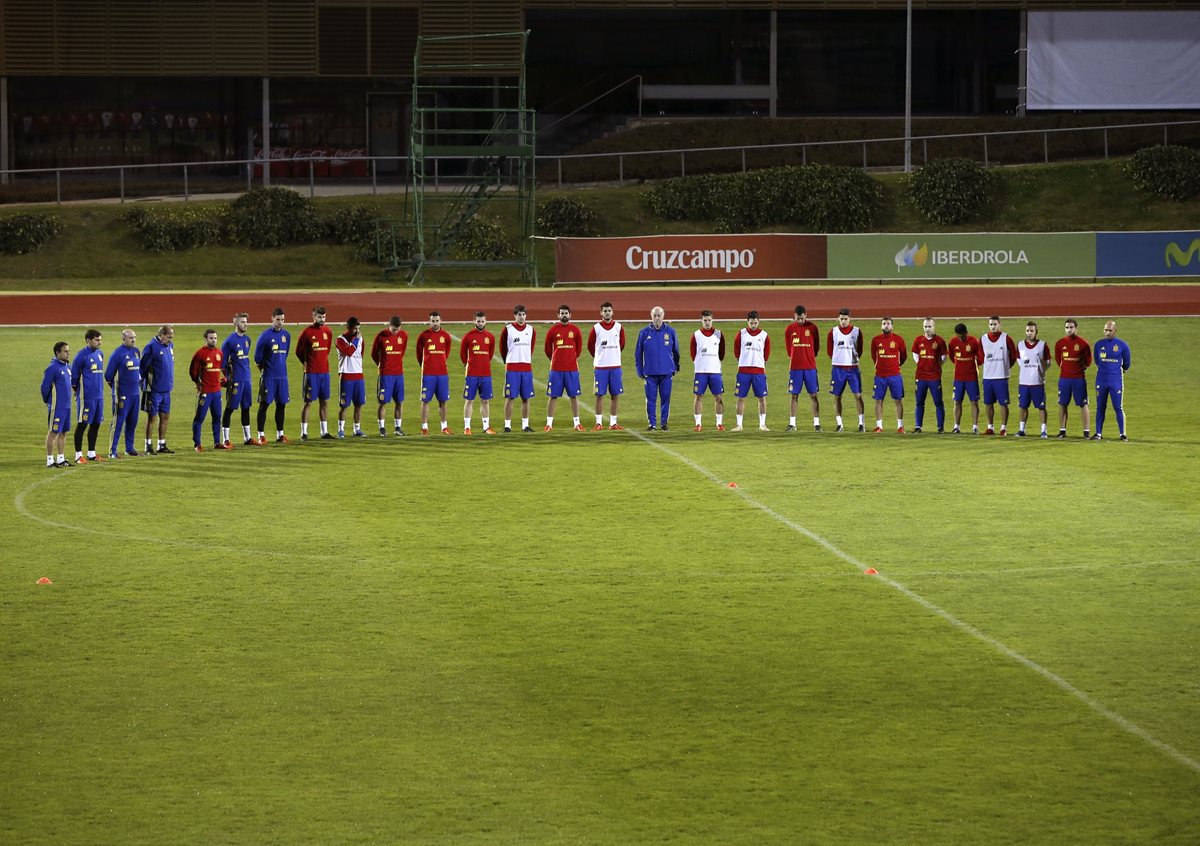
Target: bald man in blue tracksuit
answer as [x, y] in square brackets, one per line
[1112, 358]
[656, 357]
[124, 376]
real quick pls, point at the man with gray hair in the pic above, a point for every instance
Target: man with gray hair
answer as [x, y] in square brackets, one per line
[657, 359]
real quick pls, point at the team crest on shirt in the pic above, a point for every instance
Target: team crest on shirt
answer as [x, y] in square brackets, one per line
[892, 345]
[1076, 348]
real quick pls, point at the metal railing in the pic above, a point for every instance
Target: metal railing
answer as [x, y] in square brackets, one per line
[189, 179]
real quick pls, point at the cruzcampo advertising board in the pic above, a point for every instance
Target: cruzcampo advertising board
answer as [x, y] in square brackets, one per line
[999, 255]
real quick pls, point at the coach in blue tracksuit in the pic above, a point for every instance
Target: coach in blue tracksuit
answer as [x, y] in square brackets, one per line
[1112, 358]
[56, 394]
[158, 380]
[87, 381]
[657, 359]
[124, 376]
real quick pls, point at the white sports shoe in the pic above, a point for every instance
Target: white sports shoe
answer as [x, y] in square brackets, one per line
[736, 429]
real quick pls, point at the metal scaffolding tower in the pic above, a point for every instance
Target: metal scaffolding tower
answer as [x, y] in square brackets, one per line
[471, 147]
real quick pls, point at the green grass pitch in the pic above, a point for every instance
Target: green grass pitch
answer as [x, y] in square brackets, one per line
[591, 638]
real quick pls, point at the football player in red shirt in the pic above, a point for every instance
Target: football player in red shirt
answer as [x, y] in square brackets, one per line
[476, 351]
[967, 355]
[803, 341]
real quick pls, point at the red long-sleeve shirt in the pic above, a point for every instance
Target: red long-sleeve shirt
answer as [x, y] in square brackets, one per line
[1073, 356]
[967, 355]
[889, 353]
[803, 342]
[929, 353]
[476, 351]
[564, 345]
[433, 351]
[205, 369]
[388, 352]
[313, 348]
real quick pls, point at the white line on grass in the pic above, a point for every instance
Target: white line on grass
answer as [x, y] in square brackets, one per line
[1055, 679]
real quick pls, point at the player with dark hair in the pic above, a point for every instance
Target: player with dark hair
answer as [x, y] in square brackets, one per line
[516, 348]
[605, 343]
[889, 352]
[312, 348]
[387, 351]
[564, 345]
[433, 354]
[752, 349]
[87, 381]
[999, 356]
[844, 345]
[1033, 357]
[271, 356]
[708, 351]
[1073, 355]
[476, 351]
[56, 394]
[803, 341]
[352, 389]
[967, 355]
[207, 372]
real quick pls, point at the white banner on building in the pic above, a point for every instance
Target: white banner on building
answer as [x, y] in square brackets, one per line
[1114, 60]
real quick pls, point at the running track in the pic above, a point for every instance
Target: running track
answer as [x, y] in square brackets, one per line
[216, 308]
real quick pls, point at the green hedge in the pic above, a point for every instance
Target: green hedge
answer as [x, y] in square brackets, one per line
[482, 239]
[172, 228]
[819, 198]
[565, 216]
[950, 191]
[1166, 171]
[26, 233]
[273, 217]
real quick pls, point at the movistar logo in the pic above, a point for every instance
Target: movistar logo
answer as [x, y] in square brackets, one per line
[1182, 258]
[914, 256]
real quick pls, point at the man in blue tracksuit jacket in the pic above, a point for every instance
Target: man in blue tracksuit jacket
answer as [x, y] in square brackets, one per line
[158, 380]
[1112, 358]
[56, 394]
[657, 359]
[124, 376]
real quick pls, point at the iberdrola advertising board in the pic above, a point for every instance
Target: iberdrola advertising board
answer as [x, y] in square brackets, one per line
[981, 255]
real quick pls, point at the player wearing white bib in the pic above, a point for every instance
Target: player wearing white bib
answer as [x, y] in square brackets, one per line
[516, 348]
[999, 356]
[1034, 357]
[708, 351]
[844, 346]
[605, 343]
[752, 347]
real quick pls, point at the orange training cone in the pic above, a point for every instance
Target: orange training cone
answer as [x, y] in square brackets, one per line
[733, 484]
[871, 571]
[44, 581]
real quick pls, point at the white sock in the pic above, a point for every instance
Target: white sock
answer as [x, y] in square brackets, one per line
[424, 427]
[486, 422]
[341, 427]
[224, 434]
[324, 427]
[507, 424]
[304, 430]
[261, 433]
[612, 420]
[358, 427]
[879, 423]
[860, 419]
[575, 421]
[738, 418]
[279, 433]
[524, 422]
[697, 416]
[397, 421]
[762, 420]
[1043, 428]
[61, 458]
[381, 426]
[161, 443]
[245, 432]
[466, 422]
[838, 419]
[1021, 426]
[899, 423]
[792, 421]
[49, 460]
[816, 421]
[91, 454]
[720, 419]
[599, 419]
[550, 422]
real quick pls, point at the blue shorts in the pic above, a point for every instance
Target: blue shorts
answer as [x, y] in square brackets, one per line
[60, 418]
[391, 388]
[712, 382]
[316, 386]
[273, 389]
[842, 377]
[1034, 395]
[971, 389]
[609, 381]
[802, 380]
[478, 385]
[352, 392]
[518, 384]
[748, 381]
[157, 402]
[435, 387]
[889, 384]
[563, 381]
[237, 394]
[995, 391]
[90, 410]
[1072, 389]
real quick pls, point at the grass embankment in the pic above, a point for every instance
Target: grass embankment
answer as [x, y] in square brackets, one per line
[97, 250]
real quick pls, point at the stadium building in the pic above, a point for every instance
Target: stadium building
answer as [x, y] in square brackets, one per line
[105, 82]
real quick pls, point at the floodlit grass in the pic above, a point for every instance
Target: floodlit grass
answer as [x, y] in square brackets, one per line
[591, 638]
[96, 247]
